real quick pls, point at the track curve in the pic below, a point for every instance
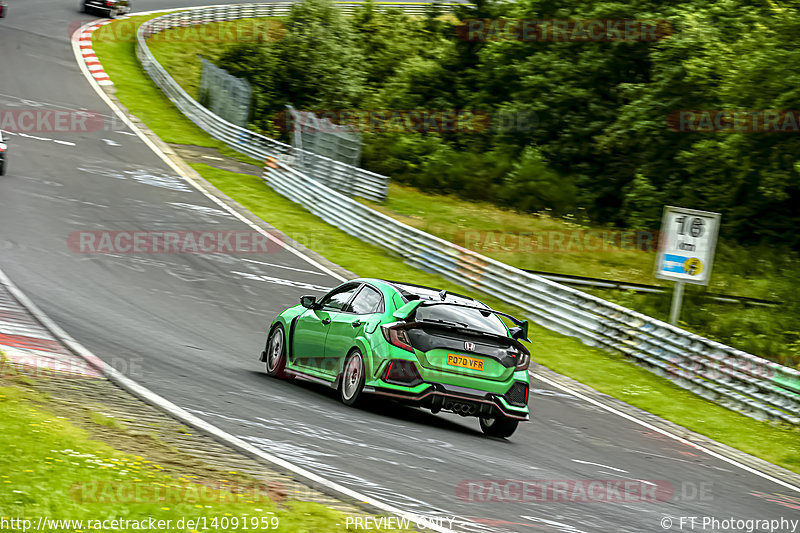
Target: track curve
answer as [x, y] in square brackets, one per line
[189, 327]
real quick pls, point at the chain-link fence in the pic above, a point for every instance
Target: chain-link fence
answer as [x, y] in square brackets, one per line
[224, 94]
[322, 137]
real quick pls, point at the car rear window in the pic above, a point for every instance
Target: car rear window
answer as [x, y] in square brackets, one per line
[470, 318]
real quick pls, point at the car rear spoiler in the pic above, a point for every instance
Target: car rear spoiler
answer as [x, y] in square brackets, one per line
[409, 308]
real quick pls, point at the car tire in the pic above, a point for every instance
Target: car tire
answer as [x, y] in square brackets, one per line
[351, 386]
[276, 352]
[3, 168]
[113, 13]
[499, 426]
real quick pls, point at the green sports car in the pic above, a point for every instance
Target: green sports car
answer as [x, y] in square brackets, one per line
[417, 345]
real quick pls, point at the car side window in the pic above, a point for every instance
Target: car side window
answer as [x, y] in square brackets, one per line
[367, 301]
[337, 300]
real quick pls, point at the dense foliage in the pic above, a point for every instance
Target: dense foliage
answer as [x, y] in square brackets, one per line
[584, 123]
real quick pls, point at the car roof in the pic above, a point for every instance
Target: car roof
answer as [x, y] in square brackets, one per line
[412, 291]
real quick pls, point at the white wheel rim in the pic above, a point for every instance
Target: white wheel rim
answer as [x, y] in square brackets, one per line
[351, 377]
[275, 349]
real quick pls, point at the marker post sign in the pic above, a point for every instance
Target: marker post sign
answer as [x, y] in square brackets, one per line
[686, 251]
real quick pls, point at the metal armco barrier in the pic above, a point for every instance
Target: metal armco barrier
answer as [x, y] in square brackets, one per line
[737, 380]
[732, 378]
[349, 179]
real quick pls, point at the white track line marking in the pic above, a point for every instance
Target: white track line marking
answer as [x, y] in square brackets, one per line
[282, 266]
[281, 281]
[598, 464]
[35, 138]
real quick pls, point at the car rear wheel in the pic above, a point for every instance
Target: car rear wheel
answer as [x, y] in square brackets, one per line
[352, 384]
[499, 426]
[276, 353]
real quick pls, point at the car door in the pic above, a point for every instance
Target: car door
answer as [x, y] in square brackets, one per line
[350, 322]
[311, 330]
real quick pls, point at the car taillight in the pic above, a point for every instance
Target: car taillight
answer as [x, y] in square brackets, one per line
[523, 360]
[109, 3]
[397, 337]
[402, 372]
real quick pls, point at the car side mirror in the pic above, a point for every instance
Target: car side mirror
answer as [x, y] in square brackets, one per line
[309, 302]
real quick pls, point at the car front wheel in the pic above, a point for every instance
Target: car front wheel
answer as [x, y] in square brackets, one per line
[276, 353]
[499, 426]
[352, 384]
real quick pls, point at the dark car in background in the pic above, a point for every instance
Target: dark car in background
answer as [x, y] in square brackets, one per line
[3, 9]
[110, 8]
[3, 154]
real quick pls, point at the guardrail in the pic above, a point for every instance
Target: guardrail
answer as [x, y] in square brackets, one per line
[598, 283]
[346, 178]
[735, 379]
[732, 378]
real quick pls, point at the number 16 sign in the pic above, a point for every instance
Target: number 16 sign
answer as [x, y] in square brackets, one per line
[686, 250]
[687, 244]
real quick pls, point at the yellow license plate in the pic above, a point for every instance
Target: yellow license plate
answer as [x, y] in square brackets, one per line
[465, 362]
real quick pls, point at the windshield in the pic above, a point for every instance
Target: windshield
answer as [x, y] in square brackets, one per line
[468, 318]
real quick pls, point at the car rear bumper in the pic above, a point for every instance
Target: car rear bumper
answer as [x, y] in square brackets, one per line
[461, 400]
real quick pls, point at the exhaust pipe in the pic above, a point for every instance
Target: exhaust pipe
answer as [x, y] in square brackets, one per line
[464, 409]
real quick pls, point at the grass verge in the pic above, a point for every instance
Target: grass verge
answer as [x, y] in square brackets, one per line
[608, 373]
[53, 470]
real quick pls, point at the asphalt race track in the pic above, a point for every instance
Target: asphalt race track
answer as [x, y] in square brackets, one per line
[190, 327]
